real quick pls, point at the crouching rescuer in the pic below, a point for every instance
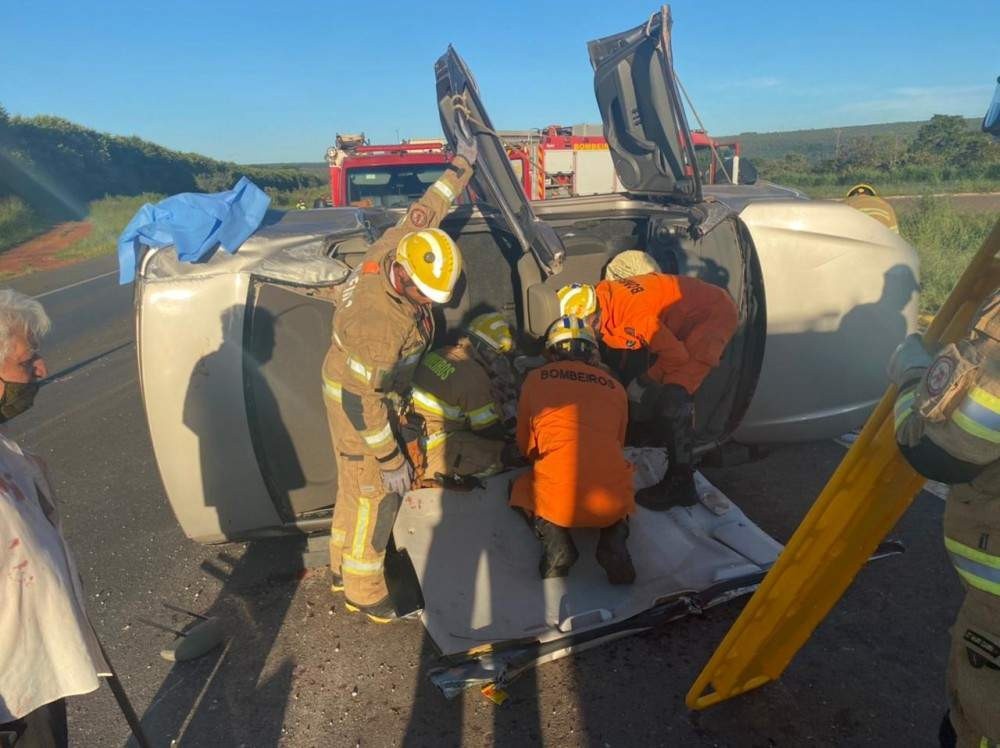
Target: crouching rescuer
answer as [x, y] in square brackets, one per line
[947, 418]
[381, 328]
[662, 334]
[571, 422]
[454, 398]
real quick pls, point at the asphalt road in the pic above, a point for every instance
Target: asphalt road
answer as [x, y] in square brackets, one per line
[298, 671]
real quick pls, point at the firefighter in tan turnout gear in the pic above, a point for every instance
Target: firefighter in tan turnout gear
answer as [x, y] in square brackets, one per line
[381, 327]
[948, 428]
[455, 395]
[863, 197]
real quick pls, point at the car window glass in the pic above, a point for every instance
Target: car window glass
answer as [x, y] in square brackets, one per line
[390, 186]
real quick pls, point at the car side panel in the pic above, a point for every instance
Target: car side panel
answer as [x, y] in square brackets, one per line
[191, 362]
[841, 294]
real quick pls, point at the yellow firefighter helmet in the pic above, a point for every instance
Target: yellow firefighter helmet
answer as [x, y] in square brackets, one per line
[568, 329]
[492, 329]
[577, 300]
[433, 262]
[862, 189]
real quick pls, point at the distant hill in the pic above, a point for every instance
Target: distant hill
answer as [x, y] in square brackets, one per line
[821, 144]
[816, 145]
[57, 167]
[315, 168]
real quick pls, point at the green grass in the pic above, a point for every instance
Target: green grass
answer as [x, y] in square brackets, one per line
[108, 217]
[287, 199]
[946, 239]
[888, 189]
[18, 222]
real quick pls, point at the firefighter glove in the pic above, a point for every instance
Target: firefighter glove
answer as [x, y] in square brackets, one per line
[398, 481]
[467, 148]
[636, 390]
[909, 361]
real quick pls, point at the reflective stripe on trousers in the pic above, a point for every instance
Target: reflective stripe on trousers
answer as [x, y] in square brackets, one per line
[332, 389]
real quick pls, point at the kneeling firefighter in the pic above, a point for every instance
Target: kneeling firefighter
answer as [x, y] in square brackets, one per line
[454, 394]
[948, 429]
[571, 422]
[676, 329]
[381, 327]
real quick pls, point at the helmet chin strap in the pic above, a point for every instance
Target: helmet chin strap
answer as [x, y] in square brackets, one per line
[401, 281]
[396, 274]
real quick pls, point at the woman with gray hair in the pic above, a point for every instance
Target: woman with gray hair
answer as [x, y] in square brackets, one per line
[23, 323]
[48, 649]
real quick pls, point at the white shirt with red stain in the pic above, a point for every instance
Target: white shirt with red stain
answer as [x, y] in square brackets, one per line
[48, 648]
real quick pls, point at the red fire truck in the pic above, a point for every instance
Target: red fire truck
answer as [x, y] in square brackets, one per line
[382, 176]
[550, 163]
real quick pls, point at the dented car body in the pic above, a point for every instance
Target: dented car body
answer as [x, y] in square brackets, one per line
[230, 352]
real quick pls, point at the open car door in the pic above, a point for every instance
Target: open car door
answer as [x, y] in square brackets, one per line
[461, 108]
[644, 121]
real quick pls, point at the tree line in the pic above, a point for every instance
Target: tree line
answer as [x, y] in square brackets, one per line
[58, 167]
[942, 150]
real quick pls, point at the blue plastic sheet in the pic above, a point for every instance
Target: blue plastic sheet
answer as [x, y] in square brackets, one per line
[194, 223]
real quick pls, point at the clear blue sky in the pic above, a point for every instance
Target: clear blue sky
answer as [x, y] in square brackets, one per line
[261, 82]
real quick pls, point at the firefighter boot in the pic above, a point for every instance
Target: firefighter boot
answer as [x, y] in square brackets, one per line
[336, 582]
[613, 555]
[558, 550]
[677, 487]
[381, 612]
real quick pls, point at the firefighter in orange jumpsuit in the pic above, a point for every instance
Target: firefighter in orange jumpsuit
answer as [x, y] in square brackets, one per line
[381, 327]
[680, 326]
[571, 423]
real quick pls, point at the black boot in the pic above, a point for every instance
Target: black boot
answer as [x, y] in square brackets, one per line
[677, 487]
[558, 550]
[613, 555]
[947, 738]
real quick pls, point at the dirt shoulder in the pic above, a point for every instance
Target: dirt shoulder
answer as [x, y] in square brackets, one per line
[41, 252]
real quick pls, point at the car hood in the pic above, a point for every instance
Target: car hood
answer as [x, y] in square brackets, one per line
[644, 121]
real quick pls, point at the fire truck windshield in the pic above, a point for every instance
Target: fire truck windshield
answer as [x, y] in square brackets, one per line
[390, 186]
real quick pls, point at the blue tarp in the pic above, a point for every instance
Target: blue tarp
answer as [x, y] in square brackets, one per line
[194, 223]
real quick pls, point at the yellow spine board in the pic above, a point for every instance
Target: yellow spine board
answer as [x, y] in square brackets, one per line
[861, 502]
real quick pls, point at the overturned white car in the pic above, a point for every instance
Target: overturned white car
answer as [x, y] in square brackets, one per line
[230, 352]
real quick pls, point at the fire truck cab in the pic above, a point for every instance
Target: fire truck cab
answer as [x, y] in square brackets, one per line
[382, 176]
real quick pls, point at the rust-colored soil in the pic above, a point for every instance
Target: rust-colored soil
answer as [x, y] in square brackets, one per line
[40, 253]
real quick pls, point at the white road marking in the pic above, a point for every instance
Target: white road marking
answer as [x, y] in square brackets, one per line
[74, 285]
